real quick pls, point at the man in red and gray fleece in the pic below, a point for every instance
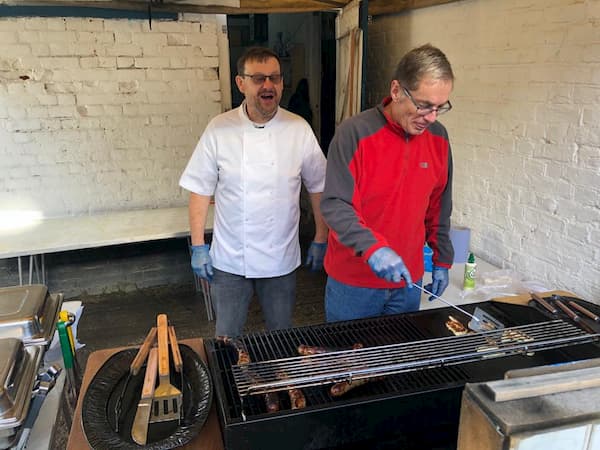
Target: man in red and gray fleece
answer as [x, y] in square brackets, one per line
[388, 190]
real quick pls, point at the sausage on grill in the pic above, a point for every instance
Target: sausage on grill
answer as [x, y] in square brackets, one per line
[297, 399]
[243, 358]
[339, 389]
[307, 350]
[271, 401]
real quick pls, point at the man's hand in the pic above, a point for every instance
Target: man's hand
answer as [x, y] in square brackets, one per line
[202, 262]
[387, 264]
[440, 278]
[315, 255]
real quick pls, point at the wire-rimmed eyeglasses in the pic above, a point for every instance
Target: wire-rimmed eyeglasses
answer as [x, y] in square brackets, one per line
[259, 78]
[423, 110]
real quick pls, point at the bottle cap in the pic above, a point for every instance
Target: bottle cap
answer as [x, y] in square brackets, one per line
[471, 258]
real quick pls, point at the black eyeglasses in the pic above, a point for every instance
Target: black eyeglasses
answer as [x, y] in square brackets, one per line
[423, 110]
[259, 78]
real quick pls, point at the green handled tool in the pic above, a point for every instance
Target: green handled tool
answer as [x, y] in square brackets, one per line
[67, 353]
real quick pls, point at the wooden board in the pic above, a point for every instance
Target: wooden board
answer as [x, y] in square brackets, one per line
[538, 385]
[208, 439]
[524, 299]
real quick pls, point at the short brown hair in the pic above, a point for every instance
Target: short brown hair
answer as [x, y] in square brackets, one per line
[421, 62]
[259, 54]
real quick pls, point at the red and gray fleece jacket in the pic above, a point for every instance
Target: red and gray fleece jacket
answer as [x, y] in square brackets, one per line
[386, 188]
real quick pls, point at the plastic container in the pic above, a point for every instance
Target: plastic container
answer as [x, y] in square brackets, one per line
[470, 269]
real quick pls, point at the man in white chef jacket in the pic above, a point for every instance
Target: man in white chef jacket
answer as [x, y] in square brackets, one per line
[253, 159]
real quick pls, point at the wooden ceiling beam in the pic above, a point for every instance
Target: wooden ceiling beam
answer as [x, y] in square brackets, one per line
[380, 7]
[246, 6]
[376, 7]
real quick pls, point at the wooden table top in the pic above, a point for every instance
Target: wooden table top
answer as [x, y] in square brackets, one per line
[209, 437]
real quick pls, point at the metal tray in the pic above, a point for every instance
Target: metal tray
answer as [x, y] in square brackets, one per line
[29, 313]
[18, 370]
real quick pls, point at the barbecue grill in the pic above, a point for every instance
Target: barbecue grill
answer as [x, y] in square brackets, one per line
[416, 371]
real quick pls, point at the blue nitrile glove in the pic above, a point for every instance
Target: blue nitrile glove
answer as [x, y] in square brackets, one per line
[387, 264]
[440, 278]
[315, 255]
[202, 262]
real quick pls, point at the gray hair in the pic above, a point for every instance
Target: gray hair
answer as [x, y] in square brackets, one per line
[421, 62]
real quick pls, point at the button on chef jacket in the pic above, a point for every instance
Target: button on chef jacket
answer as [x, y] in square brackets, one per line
[255, 173]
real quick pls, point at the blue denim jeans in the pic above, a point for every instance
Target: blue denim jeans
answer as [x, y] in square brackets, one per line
[231, 295]
[345, 302]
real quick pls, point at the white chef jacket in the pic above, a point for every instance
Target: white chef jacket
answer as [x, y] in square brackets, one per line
[255, 173]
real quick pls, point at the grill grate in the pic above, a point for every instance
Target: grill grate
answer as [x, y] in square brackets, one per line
[265, 375]
[284, 343]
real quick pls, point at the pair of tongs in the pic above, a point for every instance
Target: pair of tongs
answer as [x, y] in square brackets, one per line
[134, 369]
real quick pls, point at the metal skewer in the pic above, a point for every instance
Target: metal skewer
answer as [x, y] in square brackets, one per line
[447, 302]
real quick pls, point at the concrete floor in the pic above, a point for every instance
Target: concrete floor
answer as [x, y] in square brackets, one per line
[123, 319]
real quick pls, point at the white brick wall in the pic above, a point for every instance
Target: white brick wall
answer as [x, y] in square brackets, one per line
[99, 114]
[525, 128]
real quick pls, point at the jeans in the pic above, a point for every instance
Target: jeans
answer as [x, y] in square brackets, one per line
[231, 295]
[345, 302]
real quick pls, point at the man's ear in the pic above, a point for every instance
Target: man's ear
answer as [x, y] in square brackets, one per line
[395, 90]
[239, 81]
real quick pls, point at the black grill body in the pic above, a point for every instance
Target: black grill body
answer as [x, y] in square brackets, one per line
[412, 410]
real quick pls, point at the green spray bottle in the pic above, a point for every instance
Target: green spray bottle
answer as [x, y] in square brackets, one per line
[470, 269]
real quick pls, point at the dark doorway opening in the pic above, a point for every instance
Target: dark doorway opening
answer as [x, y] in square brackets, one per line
[328, 59]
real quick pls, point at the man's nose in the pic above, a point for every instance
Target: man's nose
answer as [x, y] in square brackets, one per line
[431, 116]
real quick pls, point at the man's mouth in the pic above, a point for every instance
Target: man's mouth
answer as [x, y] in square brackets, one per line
[267, 95]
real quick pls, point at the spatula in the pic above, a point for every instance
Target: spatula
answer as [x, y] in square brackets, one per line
[167, 398]
[139, 429]
[485, 321]
[480, 320]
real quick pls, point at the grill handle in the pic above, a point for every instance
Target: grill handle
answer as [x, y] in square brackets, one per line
[568, 311]
[585, 311]
[574, 317]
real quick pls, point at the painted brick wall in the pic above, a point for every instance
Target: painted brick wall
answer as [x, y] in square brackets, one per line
[525, 128]
[99, 115]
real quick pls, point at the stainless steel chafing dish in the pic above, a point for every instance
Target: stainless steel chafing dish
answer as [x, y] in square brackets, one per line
[29, 313]
[18, 371]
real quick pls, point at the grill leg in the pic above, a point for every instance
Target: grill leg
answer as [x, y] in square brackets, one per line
[20, 270]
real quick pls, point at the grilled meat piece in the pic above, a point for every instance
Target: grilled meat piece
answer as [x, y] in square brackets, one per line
[271, 398]
[243, 356]
[297, 399]
[339, 389]
[456, 327]
[240, 348]
[271, 401]
[307, 350]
